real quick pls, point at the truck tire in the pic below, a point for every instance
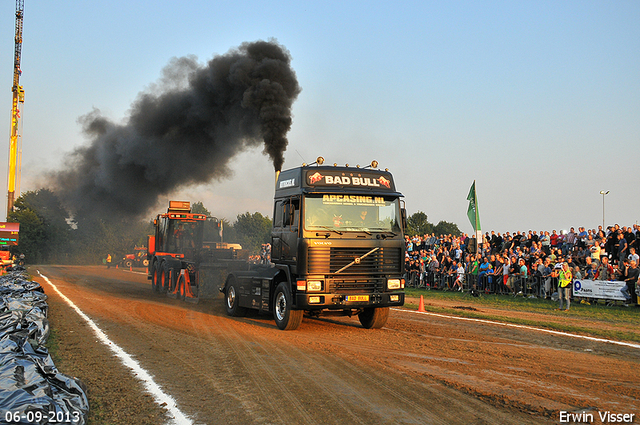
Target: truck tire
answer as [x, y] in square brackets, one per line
[172, 277]
[232, 300]
[286, 318]
[145, 262]
[155, 277]
[128, 263]
[165, 285]
[374, 318]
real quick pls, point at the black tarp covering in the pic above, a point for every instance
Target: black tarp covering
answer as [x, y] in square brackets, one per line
[32, 391]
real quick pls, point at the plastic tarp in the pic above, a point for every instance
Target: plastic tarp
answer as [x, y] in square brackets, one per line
[32, 390]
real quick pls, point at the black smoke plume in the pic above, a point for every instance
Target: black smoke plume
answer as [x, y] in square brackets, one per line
[184, 130]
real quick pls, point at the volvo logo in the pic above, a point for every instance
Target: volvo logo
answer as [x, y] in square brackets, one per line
[357, 260]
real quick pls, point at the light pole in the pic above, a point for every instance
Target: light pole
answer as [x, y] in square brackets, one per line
[602, 192]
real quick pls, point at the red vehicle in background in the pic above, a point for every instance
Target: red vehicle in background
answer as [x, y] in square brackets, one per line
[137, 259]
[5, 259]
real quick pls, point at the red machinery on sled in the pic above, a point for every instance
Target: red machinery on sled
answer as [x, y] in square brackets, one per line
[174, 251]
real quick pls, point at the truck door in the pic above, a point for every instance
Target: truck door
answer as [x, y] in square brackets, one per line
[290, 221]
[276, 232]
[161, 234]
[284, 236]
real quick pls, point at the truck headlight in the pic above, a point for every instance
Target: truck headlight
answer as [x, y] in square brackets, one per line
[393, 284]
[314, 285]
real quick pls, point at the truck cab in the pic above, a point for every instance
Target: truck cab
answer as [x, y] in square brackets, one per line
[337, 247]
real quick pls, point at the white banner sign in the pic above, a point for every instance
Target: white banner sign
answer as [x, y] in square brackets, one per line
[601, 289]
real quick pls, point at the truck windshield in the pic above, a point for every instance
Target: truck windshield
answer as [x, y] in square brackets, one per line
[184, 234]
[352, 213]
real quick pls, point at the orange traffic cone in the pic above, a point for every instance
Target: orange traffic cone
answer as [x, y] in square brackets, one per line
[130, 268]
[116, 266]
[421, 305]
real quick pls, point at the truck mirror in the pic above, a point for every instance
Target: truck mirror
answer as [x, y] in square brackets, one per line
[403, 215]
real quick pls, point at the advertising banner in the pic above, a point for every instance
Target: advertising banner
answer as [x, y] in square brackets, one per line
[351, 179]
[9, 234]
[601, 289]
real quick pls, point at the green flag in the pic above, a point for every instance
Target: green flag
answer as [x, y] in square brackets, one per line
[472, 211]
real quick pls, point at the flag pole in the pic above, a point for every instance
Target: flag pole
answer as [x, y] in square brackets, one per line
[478, 230]
[475, 218]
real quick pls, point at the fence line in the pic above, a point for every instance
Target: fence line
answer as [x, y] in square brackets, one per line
[532, 285]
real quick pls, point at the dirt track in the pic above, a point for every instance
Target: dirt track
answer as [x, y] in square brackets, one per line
[418, 369]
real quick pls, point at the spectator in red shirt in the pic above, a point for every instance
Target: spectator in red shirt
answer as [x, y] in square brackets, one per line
[554, 239]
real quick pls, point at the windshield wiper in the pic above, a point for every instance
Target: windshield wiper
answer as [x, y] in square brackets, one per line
[330, 229]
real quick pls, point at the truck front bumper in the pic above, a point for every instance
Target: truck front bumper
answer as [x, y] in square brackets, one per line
[322, 301]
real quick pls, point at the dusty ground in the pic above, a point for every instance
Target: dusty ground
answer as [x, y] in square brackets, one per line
[418, 369]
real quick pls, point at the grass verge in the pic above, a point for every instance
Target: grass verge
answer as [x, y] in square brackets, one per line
[583, 319]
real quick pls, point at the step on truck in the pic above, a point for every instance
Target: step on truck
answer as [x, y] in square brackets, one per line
[337, 247]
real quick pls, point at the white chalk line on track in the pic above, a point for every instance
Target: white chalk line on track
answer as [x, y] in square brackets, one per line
[160, 397]
[513, 325]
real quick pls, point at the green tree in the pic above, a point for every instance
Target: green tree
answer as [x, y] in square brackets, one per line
[417, 224]
[96, 237]
[199, 208]
[45, 232]
[31, 239]
[446, 228]
[253, 230]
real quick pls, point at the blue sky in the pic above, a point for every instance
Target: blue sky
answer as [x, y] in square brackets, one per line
[539, 102]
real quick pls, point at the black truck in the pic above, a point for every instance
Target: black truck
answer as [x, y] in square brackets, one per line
[337, 247]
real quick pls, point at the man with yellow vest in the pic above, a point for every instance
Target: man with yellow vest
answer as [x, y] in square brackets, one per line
[564, 285]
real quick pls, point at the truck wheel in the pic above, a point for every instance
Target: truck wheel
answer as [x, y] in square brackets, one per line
[128, 263]
[173, 275]
[374, 318]
[232, 300]
[145, 262]
[155, 278]
[176, 280]
[165, 285]
[286, 318]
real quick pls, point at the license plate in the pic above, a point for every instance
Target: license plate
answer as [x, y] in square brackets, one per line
[357, 297]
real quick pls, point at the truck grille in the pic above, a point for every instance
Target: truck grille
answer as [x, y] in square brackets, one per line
[356, 286]
[328, 260]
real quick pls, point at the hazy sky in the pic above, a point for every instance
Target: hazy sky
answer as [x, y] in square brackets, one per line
[538, 101]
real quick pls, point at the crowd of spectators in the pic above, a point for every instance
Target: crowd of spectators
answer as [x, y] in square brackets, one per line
[527, 263]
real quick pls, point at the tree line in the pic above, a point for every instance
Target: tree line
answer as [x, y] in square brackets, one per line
[48, 233]
[418, 224]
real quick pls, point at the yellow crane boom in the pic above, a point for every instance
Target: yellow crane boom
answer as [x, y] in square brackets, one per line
[18, 99]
